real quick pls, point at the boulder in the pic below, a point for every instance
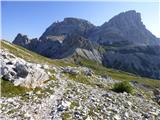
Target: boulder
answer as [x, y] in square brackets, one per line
[21, 69]
[86, 71]
[77, 70]
[20, 72]
[70, 70]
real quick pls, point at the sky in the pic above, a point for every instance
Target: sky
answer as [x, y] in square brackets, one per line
[32, 18]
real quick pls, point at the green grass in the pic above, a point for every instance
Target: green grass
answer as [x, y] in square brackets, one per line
[119, 75]
[91, 111]
[12, 111]
[66, 116]
[31, 56]
[9, 90]
[74, 104]
[81, 78]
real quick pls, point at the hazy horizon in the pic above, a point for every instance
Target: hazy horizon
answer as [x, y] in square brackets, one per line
[32, 18]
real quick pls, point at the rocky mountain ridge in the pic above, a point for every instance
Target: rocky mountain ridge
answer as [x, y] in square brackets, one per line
[77, 37]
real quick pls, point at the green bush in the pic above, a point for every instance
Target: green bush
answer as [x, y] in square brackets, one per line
[123, 87]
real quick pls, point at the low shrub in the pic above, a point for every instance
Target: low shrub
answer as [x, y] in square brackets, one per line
[123, 87]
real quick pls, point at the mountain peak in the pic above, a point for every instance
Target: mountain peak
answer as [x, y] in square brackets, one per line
[21, 39]
[130, 12]
[21, 35]
[127, 27]
[68, 26]
[75, 20]
[128, 18]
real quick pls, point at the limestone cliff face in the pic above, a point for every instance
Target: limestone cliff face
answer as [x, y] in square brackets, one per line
[125, 28]
[140, 60]
[125, 33]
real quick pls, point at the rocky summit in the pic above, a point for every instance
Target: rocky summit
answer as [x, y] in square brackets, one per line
[124, 29]
[37, 88]
[123, 36]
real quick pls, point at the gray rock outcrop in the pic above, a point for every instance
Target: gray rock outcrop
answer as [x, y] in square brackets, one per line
[77, 70]
[20, 72]
[21, 40]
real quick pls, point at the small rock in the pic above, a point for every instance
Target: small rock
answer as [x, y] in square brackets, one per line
[66, 103]
[154, 113]
[38, 92]
[45, 66]
[126, 114]
[145, 115]
[117, 117]
[129, 103]
[89, 118]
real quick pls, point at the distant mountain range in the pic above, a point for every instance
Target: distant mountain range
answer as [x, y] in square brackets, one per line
[122, 43]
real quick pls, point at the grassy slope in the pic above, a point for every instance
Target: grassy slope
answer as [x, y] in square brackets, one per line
[98, 69]
[31, 56]
[119, 75]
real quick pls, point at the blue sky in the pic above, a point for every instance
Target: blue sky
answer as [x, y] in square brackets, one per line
[32, 18]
